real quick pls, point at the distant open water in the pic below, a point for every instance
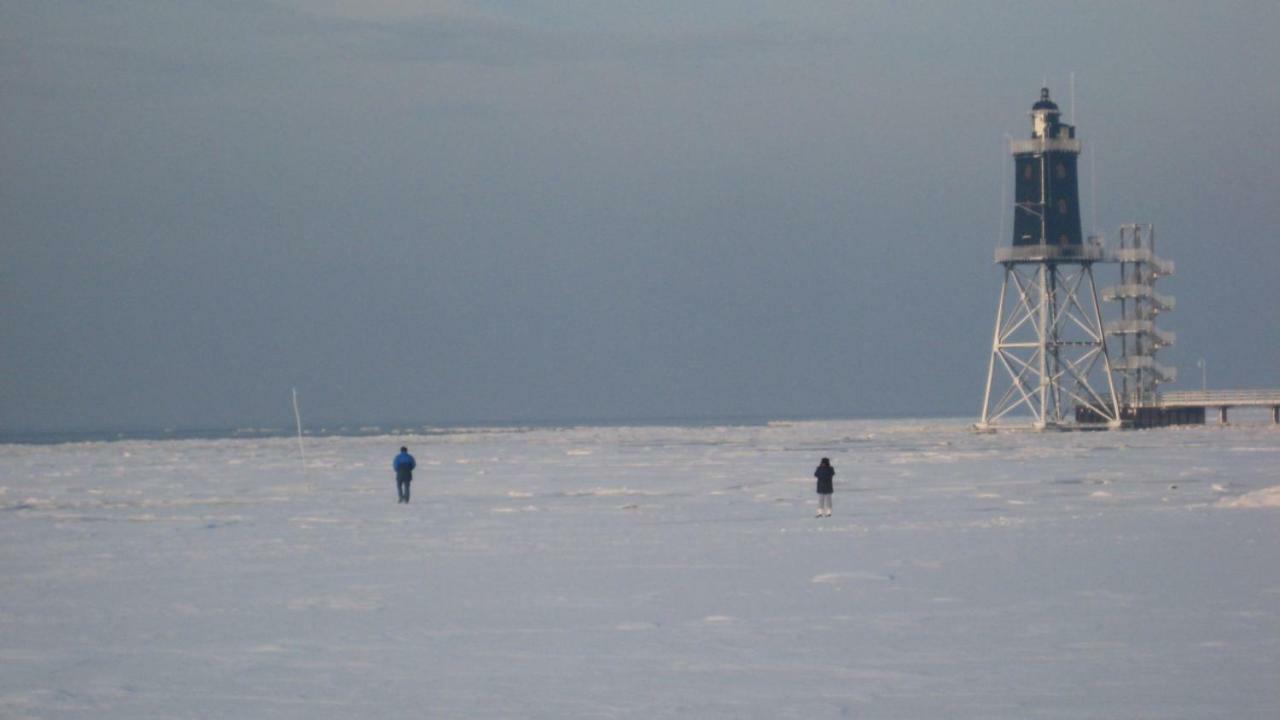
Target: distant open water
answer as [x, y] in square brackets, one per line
[56, 437]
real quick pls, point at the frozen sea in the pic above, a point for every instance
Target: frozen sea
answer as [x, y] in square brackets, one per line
[646, 572]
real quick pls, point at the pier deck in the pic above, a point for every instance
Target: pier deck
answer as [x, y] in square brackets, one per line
[1223, 400]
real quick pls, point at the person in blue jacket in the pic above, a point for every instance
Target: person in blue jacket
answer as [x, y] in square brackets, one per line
[404, 465]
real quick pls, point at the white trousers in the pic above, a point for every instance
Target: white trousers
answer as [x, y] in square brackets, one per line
[824, 502]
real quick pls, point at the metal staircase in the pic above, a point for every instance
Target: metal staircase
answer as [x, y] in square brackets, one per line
[1140, 375]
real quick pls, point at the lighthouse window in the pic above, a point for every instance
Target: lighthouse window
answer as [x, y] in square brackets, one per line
[1062, 207]
[1060, 171]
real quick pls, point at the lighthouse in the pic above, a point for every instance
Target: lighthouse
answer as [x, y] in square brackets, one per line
[1049, 364]
[1046, 189]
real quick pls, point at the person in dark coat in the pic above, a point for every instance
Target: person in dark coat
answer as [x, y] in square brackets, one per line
[404, 465]
[826, 486]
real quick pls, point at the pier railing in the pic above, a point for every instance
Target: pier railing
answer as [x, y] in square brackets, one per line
[1221, 398]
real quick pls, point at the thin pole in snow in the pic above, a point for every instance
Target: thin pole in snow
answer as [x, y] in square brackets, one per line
[297, 416]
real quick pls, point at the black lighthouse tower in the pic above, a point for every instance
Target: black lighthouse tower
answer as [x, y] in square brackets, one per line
[1049, 355]
[1046, 189]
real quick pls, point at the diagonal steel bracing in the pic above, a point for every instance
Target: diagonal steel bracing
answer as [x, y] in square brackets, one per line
[1048, 350]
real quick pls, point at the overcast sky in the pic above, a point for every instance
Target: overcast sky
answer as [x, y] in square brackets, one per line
[517, 210]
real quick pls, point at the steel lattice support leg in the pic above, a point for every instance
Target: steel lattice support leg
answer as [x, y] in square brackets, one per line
[1049, 341]
[984, 422]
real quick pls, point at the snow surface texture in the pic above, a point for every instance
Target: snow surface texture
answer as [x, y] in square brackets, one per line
[655, 572]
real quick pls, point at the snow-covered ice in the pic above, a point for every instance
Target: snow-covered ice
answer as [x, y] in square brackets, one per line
[647, 572]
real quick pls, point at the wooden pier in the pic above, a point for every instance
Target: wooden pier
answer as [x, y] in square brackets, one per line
[1223, 401]
[1187, 408]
